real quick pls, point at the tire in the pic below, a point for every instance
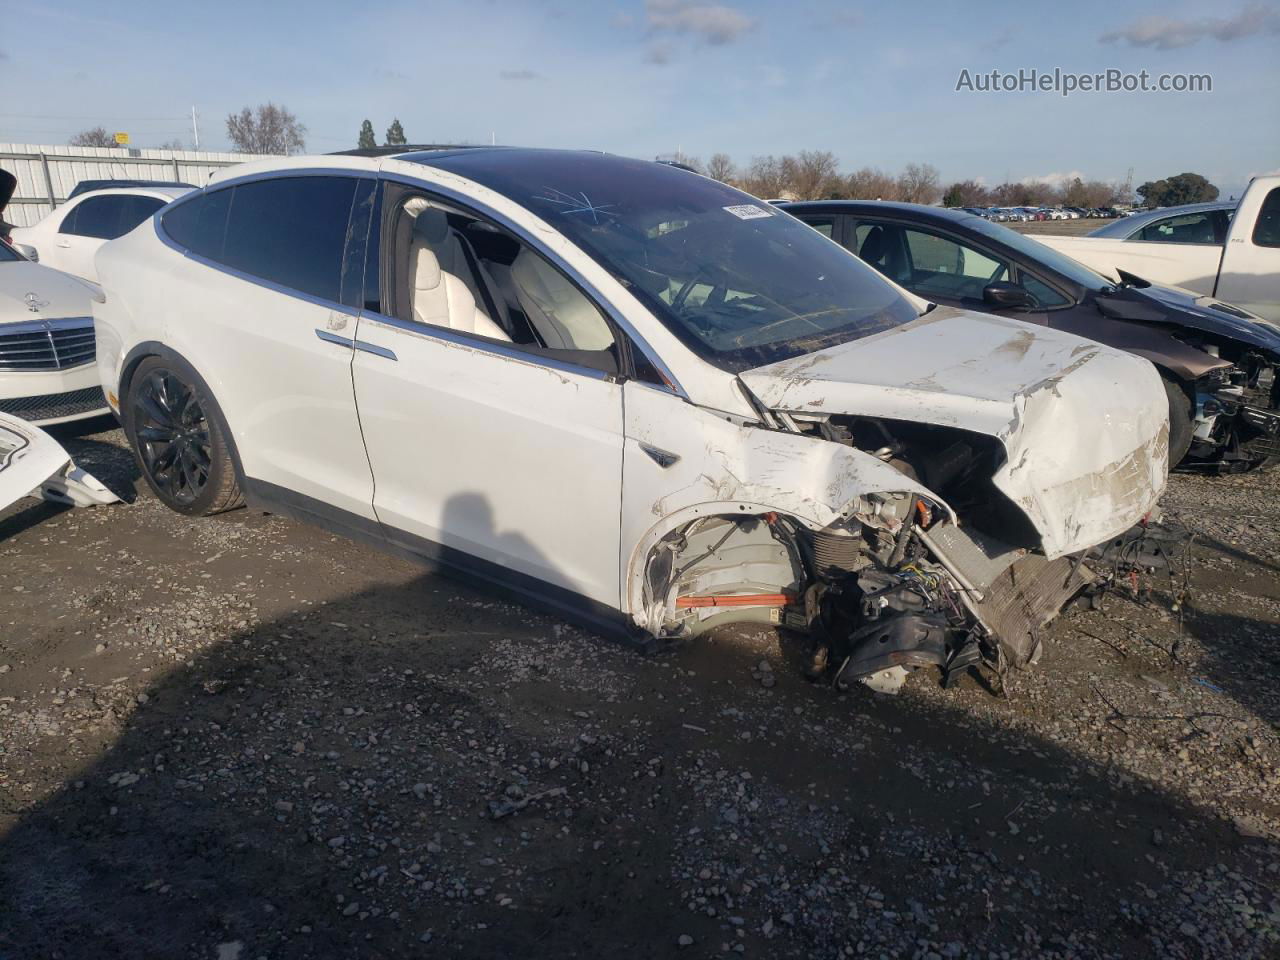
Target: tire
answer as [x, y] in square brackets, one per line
[180, 439]
[1180, 429]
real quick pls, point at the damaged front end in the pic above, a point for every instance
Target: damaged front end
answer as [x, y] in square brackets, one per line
[895, 586]
[1235, 415]
[1005, 479]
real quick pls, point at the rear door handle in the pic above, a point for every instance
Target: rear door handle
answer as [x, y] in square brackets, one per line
[376, 350]
[64, 243]
[330, 337]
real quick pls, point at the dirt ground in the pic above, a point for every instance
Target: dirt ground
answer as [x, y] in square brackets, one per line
[1061, 228]
[242, 737]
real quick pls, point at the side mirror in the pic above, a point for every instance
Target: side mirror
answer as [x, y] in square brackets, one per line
[28, 251]
[1004, 295]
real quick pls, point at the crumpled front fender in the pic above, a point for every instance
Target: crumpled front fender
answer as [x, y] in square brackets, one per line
[1082, 467]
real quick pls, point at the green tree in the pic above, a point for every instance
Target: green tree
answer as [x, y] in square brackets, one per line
[395, 134]
[1175, 191]
[966, 193]
[367, 140]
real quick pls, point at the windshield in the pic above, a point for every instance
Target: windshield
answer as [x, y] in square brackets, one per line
[741, 282]
[7, 253]
[1033, 250]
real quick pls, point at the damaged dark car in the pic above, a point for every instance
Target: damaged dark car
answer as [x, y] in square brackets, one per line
[1218, 362]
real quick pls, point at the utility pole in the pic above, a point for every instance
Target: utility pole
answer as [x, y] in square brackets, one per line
[195, 128]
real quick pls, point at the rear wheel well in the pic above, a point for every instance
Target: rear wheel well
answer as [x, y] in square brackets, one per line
[145, 351]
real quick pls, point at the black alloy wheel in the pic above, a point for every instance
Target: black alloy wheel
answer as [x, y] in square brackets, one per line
[172, 433]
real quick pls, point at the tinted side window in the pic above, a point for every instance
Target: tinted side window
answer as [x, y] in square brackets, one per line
[1266, 232]
[97, 217]
[1045, 295]
[133, 210]
[200, 224]
[824, 225]
[292, 232]
[940, 266]
[1187, 228]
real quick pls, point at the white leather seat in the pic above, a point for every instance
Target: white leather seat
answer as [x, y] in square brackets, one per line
[559, 311]
[431, 230]
[441, 299]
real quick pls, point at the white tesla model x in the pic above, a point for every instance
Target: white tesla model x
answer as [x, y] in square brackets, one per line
[625, 391]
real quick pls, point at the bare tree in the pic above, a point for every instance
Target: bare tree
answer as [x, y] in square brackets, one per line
[1099, 193]
[765, 178]
[96, 137]
[720, 167]
[870, 183]
[174, 144]
[1028, 193]
[810, 174]
[271, 129]
[919, 183]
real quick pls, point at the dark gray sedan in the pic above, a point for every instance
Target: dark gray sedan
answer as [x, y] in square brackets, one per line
[1218, 362]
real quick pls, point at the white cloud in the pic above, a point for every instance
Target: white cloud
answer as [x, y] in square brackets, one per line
[1055, 179]
[1170, 33]
[714, 23]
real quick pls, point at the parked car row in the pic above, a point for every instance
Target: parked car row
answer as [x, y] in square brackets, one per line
[1024, 214]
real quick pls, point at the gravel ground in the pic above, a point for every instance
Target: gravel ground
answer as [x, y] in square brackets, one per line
[242, 737]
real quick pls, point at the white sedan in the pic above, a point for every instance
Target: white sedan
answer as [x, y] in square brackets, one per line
[46, 343]
[627, 392]
[68, 238]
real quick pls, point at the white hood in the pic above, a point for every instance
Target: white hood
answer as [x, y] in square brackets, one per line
[54, 293]
[1085, 427]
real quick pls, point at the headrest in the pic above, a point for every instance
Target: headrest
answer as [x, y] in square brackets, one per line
[431, 224]
[873, 247]
[426, 269]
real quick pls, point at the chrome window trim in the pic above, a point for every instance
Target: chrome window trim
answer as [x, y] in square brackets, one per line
[172, 244]
[480, 343]
[597, 298]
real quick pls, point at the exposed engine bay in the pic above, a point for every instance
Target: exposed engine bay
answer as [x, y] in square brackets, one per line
[896, 585]
[1236, 412]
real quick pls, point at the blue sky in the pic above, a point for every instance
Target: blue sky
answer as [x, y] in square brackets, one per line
[872, 82]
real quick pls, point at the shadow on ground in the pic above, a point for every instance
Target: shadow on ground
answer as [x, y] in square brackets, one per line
[363, 753]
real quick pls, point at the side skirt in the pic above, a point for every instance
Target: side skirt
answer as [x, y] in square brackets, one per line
[513, 585]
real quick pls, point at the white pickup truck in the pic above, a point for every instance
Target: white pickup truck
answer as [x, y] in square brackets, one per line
[1244, 270]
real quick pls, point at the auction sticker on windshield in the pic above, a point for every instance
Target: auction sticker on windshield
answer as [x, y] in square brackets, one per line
[748, 211]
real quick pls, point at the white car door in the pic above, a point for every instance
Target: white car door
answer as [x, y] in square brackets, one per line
[1250, 274]
[271, 329]
[79, 235]
[488, 452]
